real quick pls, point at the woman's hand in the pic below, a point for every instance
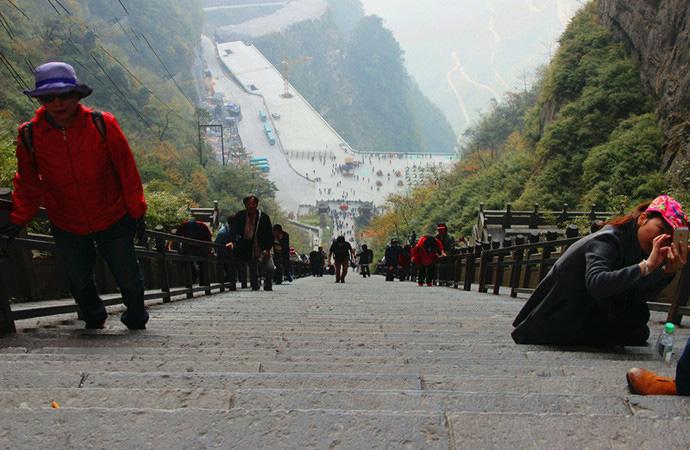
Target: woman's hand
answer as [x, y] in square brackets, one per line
[676, 258]
[659, 253]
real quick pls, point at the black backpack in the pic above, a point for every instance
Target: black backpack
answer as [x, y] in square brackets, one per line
[26, 134]
[430, 245]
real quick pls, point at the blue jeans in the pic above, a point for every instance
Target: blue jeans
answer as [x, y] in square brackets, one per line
[116, 245]
[683, 372]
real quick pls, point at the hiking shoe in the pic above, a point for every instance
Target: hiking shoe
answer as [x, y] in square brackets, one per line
[135, 324]
[645, 382]
[96, 325]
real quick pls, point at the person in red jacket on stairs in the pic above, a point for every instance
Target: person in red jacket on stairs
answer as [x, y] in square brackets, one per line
[424, 255]
[77, 164]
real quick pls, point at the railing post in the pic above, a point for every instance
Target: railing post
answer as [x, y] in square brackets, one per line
[6, 319]
[518, 255]
[563, 217]
[188, 278]
[507, 219]
[498, 271]
[533, 238]
[163, 269]
[546, 254]
[484, 262]
[471, 266]
[680, 298]
[205, 273]
[572, 231]
[534, 218]
[592, 213]
[220, 270]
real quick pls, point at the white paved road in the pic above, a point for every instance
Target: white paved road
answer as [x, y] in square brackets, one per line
[293, 189]
[314, 148]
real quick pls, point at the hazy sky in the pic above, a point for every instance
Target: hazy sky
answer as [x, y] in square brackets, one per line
[465, 52]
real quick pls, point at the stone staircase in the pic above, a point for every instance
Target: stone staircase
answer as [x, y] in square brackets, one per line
[366, 364]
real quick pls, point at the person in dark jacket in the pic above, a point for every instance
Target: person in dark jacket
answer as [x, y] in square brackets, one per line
[253, 241]
[281, 254]
[341, 252]
[316, 261]
[392, 257]
[365, 258]
[404, 261]
[78, 165]
[232, 267]
[446, 239]
[199, 231]
[597, 291]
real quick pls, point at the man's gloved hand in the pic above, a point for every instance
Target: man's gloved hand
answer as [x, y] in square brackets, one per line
[139, 229]
[10, 230]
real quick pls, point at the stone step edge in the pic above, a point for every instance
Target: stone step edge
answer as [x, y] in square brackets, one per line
[343, 412]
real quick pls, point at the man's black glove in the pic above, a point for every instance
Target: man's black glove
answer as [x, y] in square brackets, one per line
[139, 230]
[10, 230]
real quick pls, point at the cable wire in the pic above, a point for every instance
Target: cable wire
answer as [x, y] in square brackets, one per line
[167, 71]
[63, 7]
[6, 26]
[21, 11]
[122, 94]
[56, 10]
[123, 6]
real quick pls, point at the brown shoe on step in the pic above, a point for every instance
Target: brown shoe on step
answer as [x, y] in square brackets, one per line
[645, 382]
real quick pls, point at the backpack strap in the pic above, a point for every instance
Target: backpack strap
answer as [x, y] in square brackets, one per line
[26, 135]
[99, 122]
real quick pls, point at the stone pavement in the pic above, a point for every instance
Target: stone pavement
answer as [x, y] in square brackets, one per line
[365, 364]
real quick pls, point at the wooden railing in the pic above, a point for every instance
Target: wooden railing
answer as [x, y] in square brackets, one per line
[517, 265]
[534, 219]
[167, 274]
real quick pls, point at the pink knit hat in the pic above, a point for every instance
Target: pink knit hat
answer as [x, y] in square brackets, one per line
[670, 210]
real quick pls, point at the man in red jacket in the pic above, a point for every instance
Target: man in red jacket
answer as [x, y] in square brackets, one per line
[78, 165]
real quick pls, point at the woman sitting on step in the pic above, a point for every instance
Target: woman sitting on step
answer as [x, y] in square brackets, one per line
[597, 291]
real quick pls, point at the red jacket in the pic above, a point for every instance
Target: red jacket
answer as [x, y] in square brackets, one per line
[421, 256]
[85, 183]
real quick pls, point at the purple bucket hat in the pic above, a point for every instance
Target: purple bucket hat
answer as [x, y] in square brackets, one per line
[57, 78]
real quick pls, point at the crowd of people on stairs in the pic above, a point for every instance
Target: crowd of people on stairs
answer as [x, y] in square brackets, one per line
[76, 162]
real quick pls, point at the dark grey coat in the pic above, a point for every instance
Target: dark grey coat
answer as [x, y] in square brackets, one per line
[593, 294]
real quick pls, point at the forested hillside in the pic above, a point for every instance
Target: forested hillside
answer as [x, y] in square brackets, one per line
[357, 80]
[587, 133]
[138, 57]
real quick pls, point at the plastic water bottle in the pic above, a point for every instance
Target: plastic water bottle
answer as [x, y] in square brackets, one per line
[664, 344]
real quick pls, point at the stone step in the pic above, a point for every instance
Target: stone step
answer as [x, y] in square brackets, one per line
[564, 431]
[113, 398]
[344, 400]
[611, 382]
[362, 355]
[319, 428]
[602, 368]
[198, 428]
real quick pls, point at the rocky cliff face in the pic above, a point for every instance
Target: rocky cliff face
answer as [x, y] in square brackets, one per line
[657, 33]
